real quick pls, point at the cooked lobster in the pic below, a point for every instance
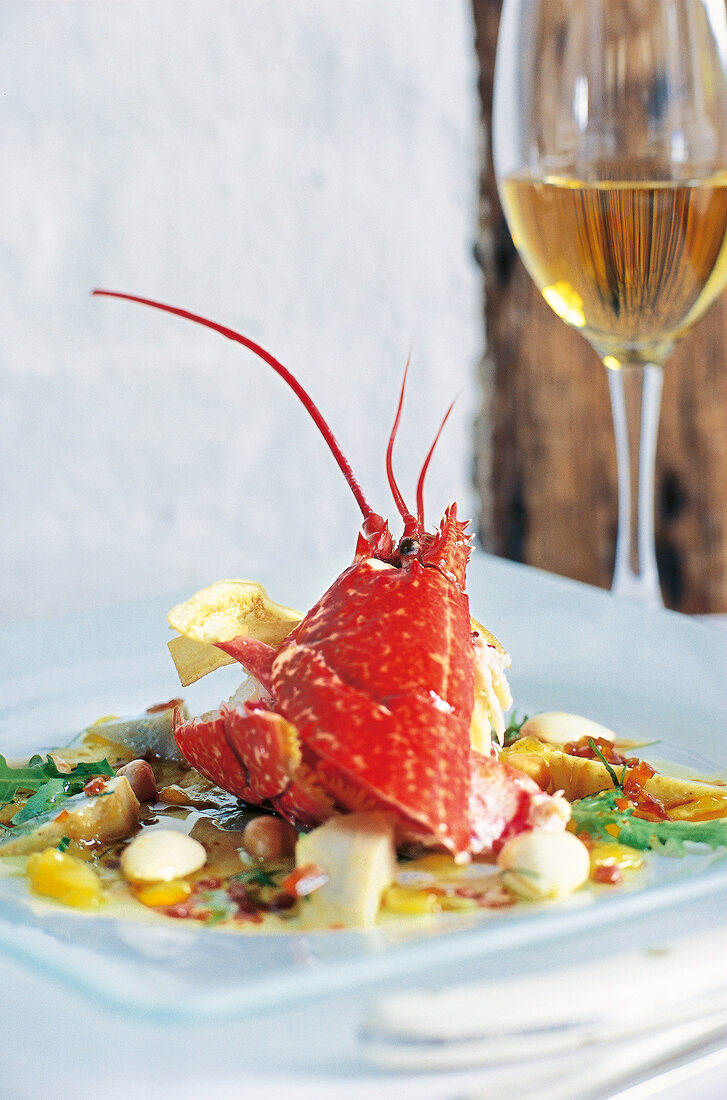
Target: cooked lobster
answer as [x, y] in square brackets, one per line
[383, 694]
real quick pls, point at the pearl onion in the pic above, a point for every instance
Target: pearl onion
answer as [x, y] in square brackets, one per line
[542, 864]
[160, 855]
[558, 728]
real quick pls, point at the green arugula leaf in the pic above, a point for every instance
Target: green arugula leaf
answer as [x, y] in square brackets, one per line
[46, 785]
[12, 780]
[81, 773]
[593, 814]
[45, 798]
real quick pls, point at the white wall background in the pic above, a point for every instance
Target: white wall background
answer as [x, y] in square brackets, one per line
[302, 170]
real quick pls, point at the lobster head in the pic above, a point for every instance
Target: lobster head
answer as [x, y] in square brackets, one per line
[447, 549]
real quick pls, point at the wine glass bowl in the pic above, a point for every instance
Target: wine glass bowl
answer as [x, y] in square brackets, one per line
[610, 150]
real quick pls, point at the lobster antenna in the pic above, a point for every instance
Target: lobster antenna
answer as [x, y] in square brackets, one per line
[425, 467]
[302, 394]
[395, 491]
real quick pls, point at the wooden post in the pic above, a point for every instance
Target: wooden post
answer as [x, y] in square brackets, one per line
[546, 462]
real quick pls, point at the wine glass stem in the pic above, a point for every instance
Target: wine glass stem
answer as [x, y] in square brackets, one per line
[636, 401]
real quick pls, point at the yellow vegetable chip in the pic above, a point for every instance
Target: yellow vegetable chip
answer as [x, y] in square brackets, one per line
[193, 660]
[218, 613]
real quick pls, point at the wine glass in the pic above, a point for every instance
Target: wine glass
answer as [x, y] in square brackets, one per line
[610, 152]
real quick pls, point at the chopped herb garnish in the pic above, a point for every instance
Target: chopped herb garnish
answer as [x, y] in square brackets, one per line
[256, 877]
[63, 843]
[218, 906]
[513, 729]
[614, 778]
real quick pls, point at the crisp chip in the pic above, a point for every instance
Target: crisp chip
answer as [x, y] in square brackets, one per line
[227, 609]
[218, 613]
[193, 660]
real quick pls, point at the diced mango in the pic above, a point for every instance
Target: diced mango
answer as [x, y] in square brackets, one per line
[450, 902]
[707, 807]
[66, 878]
[611, 854]
[439, 864]
[160, 894]
[409, 901]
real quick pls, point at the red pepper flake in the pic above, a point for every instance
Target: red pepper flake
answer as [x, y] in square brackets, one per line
[181, 911]
[254, 917]
[159, 707]
[243, 898]
[646, 805]
[62, 816]
[208, 884]
[304, 880]
[589, 748]
[608, 874]
[462, 892]
[637, 776]
[282, 902]
[622, 803]
[95, 786]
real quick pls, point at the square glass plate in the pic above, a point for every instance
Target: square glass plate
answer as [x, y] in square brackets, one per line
[652, 675]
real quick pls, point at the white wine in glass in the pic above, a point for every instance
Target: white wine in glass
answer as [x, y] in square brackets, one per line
[610, 143]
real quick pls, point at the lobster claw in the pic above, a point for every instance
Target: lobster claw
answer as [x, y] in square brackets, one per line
[407, 754]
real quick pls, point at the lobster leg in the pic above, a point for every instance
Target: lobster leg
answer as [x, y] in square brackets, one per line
[267, 747]
[304, 801]
[255, 754]
[203, 742]
[250, 751]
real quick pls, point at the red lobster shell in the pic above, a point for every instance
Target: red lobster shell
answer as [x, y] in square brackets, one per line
[367, 703]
